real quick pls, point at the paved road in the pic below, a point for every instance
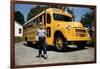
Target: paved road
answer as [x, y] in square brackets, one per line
[26, 55]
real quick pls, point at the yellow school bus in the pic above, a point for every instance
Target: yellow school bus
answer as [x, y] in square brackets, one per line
[60, 27]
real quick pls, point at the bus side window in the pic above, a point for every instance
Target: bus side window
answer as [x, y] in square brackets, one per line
[40, 18]
[36, 21]
[48, 31]
[44, 19]
[48, 18]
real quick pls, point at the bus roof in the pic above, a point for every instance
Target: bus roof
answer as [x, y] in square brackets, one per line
[59, 11]
[54, 10]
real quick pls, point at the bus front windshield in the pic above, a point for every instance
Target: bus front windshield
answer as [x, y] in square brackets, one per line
[60, 17]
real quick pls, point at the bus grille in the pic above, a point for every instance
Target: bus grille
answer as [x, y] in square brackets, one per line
[80, 32]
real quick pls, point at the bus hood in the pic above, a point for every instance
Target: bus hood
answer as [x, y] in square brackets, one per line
[68, 24]
[74, 24]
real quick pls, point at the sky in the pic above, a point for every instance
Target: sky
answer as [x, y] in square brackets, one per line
[25, 8]
[79, 12]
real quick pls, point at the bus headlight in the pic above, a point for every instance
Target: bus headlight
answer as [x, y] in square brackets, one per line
[87, 29]
[68, 27]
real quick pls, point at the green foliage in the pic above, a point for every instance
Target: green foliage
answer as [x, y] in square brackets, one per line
[71, 12]
[34, 11]
[19, 17]
[18, 39]
[87, 19]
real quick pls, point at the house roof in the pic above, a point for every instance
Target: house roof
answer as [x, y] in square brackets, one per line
[18, 23]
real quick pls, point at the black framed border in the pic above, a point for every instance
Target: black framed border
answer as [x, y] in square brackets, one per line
[12, 30]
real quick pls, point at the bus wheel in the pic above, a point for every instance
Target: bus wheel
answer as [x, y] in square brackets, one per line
[81, 45]
[60, 43]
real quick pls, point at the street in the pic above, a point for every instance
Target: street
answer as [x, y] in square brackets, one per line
[26, 55]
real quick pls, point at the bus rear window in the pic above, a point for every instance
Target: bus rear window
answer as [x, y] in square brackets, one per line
[60, 17]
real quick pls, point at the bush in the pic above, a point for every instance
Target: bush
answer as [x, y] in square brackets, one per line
[18, 39]
[91, 43]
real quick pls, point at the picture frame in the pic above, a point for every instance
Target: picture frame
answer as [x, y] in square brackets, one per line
[13, 48]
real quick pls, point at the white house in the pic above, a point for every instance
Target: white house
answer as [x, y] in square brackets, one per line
[18, 29]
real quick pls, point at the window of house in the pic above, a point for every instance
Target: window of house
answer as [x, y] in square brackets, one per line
[20, 30]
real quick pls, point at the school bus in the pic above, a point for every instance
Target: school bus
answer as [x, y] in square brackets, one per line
[60, 27]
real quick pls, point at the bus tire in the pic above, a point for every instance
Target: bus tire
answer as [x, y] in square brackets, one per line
[60, 43]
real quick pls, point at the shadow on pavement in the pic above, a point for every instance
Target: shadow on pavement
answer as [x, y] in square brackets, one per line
[52, 48]
[31, 45]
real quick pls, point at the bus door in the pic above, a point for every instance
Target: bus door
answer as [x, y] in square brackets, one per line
[48, 28]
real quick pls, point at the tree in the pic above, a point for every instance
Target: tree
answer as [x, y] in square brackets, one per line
[71, 11]
[19, 17]
[34, 11]
[87, 19]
